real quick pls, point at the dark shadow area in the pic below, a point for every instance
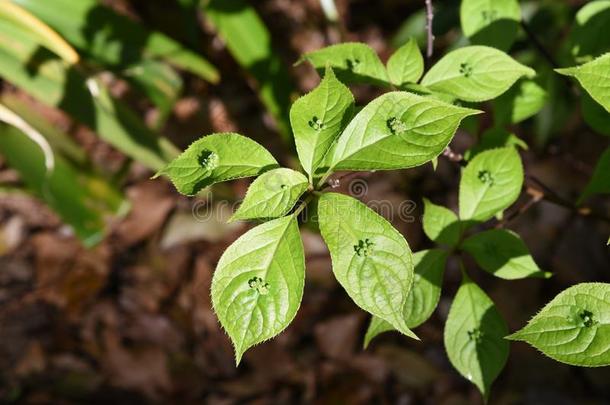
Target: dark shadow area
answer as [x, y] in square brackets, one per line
[492, 349]
[499, 34]
[591, 39]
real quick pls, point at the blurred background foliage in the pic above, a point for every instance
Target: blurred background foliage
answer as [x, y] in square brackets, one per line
[104, 274]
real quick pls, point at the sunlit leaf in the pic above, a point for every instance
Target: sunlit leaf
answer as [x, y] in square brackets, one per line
[371, 260]
[423, 297]
[573, 328]
[216, 158]
[474, 336]
[490, 183]
[475, 73]
[258, 283]
[272, 195]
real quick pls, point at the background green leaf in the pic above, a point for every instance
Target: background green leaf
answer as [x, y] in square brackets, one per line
[523, 100]
[587, 39]
[27, 65]
[82, 198]
[600, 180]
[490, 183]
[112, 39]
[249, 41]
[490, 22]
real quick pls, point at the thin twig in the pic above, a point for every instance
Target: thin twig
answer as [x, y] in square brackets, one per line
[429, 18]
[535, 197]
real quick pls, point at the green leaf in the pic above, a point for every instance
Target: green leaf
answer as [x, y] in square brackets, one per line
[82, 199]
[258, 284]
[159, 82]
[593, 77]
[272, 195]
[573, 328]
[600, 181]
[495, 138]
[216, 158]
[250, 43]
[37, 71]
[523, 100]
[396, 130]
[113, 39]
[595, 115]
[440, 224]
[353, 62]
[588, 38]
[370, 259]
[406, 65]
[423, 297]
[474, 336]
[502, 253]
[318, 118]
[475, 73]
[490, 22]
[490, 183]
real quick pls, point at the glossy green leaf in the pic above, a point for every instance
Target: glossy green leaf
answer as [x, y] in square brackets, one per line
[490, 22]
[490, 183]
[371, 260]
[112, 39]
[523, 100]
[573, 328]
[45, 35]
[502, 253]
[81, 198]
[24, 63]
[353, 62]
[272, 195]
[258, 283]
[600, 180]
[318, 118]
[594, 78]
[475, 73]
[423, 297]
[396, 130]
[216, 158]
[595, 115]
[440, 224]
[474, 336]
[406, 65]
[495, 138]
[250, 43]
[588, 38]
